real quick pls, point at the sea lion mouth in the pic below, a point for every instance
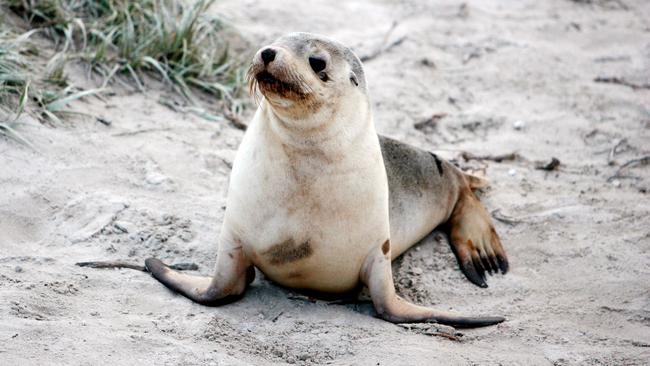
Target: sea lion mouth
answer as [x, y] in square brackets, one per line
[288, 85]
[269, 83]
[266, 80]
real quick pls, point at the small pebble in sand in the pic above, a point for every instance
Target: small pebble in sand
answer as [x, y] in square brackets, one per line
[512, 172]
[156, 178]
[427, 62]
[18, 269]
[122, 226]
[519, 125]
[417, 270]
[616, 183]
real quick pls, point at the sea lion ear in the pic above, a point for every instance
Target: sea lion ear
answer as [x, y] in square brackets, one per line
[353, 79]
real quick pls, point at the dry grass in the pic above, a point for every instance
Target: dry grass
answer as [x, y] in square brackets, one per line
[29, 85]
[123, 42]
[179, 42]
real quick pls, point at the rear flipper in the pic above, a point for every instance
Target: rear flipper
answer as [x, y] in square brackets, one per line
[376, 273]
[476, 244]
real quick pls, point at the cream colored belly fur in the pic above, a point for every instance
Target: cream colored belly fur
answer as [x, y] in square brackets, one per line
[307, 219]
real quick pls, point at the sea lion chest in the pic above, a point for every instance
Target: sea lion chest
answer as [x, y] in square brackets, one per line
[307, 219]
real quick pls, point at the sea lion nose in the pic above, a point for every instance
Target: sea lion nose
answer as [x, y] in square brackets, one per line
[268, 55]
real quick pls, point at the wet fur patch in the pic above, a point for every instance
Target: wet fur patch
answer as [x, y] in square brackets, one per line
[288, 251]
[385, 247]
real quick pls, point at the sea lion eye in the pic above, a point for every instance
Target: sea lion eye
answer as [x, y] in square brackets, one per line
[317, 64]
[353, 79]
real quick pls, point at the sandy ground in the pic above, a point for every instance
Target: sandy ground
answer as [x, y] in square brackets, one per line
[509, 76]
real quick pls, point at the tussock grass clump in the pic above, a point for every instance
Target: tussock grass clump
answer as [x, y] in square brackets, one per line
[26, 82]
[122, 41]
[13, 82]
[19, 85]
[179, 42]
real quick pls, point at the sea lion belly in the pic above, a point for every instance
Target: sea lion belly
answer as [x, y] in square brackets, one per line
[307, 219]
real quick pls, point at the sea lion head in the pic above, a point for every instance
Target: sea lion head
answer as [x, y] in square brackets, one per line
[307, 79]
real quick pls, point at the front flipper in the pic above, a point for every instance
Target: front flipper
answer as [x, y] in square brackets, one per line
[474, 241]
[233, 272]
[377, 274]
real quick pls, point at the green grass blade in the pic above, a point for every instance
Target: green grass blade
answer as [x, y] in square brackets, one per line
[61, 103]
[22, 101]
[8, 131]
[158, 67]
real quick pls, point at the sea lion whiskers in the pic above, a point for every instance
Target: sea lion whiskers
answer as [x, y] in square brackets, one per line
[253, 86]
[284, 80]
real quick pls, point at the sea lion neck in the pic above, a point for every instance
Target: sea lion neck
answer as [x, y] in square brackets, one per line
[325, 131]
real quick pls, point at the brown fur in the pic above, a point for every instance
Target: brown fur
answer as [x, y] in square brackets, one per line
[385, 247]
[282, 82]
[474, 240]
[476, 182]
[288, 251]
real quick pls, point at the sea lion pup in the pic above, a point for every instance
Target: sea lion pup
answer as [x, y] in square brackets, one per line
[308, 199]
